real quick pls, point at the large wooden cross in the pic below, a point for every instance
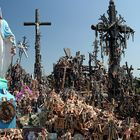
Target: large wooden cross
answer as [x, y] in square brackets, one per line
[37, 24]
[114, 34]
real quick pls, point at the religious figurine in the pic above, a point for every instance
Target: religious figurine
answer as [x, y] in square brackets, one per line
[7, 46]
[7, 50]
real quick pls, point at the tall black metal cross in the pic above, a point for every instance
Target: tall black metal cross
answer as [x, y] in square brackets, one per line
[37, 24]
[113, 34]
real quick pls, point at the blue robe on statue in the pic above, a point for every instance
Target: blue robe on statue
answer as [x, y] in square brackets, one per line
[7, 41]
[6, 31]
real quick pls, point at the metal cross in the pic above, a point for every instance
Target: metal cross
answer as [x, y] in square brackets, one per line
[23, 47]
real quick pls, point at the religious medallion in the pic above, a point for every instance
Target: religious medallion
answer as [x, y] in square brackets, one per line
[7, 112]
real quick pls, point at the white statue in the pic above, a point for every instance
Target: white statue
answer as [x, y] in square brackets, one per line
[7, 46]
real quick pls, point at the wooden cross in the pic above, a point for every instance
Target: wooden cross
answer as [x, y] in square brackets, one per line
[37, 24]
[128, 69]
[113, 33]
[129, 73]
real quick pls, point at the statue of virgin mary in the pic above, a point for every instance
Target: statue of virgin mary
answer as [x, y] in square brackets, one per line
[7, 46]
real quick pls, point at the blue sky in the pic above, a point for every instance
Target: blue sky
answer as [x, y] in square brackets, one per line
[71, 21]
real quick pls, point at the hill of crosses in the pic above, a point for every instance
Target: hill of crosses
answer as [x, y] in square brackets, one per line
[77, 101]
